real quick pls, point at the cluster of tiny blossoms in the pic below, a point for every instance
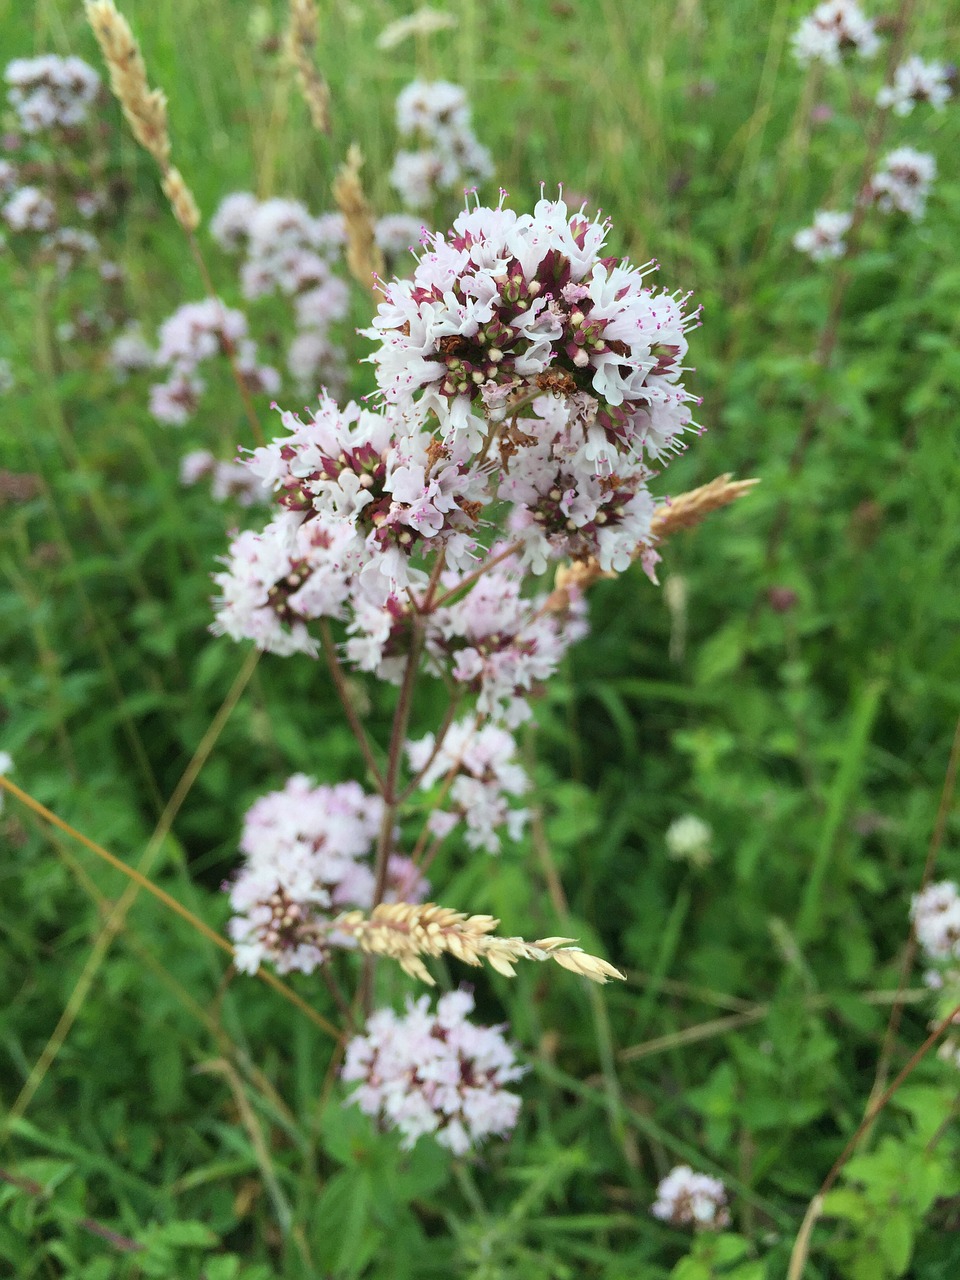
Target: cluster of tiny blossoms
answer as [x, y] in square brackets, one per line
[834, 28]
[527, 385]
[688, 1199]
[53, 172]
[195, 333]
[307, 850]
[448, 158]
[435, 1073]
[935, 915]
[903, 179]
[51, 93]
[227, 479]
[292, 253]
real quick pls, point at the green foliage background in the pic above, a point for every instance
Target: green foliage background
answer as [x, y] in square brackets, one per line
[196, 1117]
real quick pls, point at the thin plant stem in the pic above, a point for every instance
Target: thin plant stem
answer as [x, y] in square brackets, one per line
[401, 718]
[353, 720]
[448, 717]
[801, 1248]
[909, 951]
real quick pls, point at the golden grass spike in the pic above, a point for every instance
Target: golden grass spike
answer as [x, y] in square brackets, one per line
[301, 43]
[181, 200]
[144, 108]
[405, 932]
[688, 509]
[364, 258]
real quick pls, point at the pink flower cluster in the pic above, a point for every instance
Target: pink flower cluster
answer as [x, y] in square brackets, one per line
[194, 334]
[688, 1199]
[478, 767]
[288, 251]
[50, 92]
[306, 853]
[435, 1073]
[449, 157]
[506, 305]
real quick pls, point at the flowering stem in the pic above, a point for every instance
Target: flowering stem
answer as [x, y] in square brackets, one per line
[831, 330]
[391, 802]
[471, 578]
[448, 717]
[340, 684]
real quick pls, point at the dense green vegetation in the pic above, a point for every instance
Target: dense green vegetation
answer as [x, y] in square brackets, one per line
[794, 683]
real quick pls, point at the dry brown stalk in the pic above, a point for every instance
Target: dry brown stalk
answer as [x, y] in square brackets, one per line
[682, 512]
[404, 932]
[363, 254]
[144, 108]
[301, 43]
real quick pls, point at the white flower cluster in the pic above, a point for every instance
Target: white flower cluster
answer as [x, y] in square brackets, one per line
[935, 914]
[480, 772]
[30, 209]
[508, 304]
[688, 839]
[288, 251]
[688, 1199]
[916, 81]
[824, 240]
[130, 352]
[50, 92]
[435, 1073]
[902, 183]
[449, 157]
[195, 333]
[306, 854]
[834, 28]
[227, 479]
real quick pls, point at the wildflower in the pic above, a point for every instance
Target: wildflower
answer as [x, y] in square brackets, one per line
[481, 765]
[130, 352]
[824, 240]
[935, 913]
[194, 334]
[512, 304]
[688, 1199]
[29, 209]
[50, 92]
[834, 28]
[303, 847]
[450, 157]
[435, 1073]
[280, 579]
[688, 839]
[916, 81]
[902, 183]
